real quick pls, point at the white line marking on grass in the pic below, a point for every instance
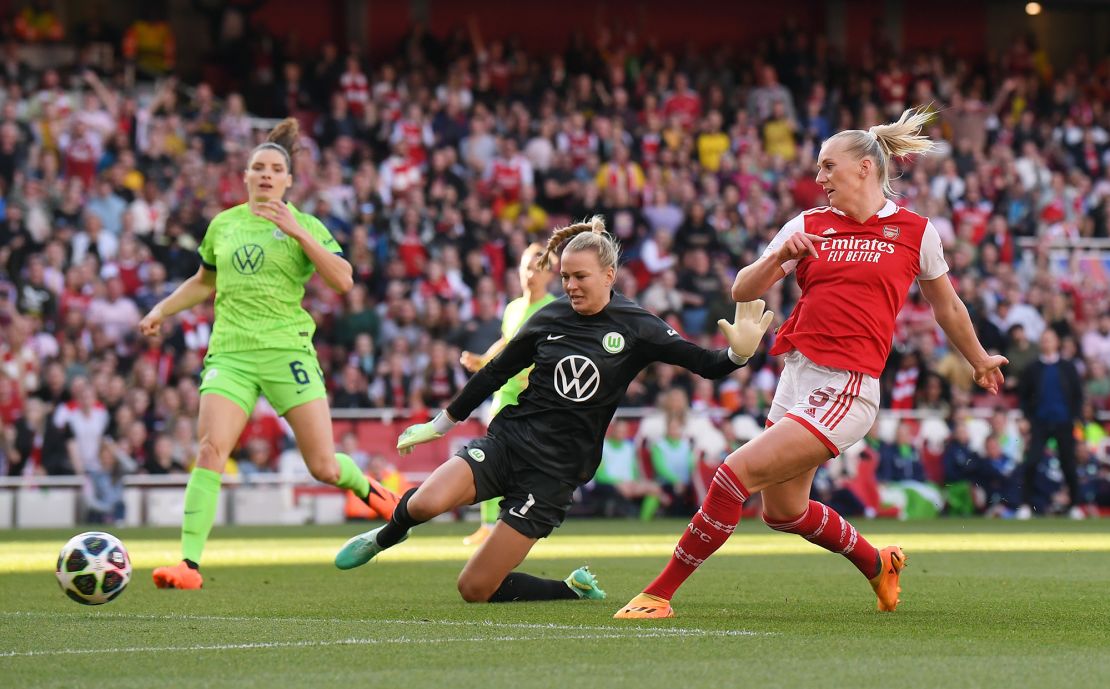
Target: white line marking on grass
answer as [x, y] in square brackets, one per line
[637, 635]
[655, 631]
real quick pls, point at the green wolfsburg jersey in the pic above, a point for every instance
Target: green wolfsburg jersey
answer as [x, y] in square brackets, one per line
[260, 276]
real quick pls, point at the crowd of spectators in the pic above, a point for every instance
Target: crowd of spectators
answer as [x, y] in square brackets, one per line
[435, 168]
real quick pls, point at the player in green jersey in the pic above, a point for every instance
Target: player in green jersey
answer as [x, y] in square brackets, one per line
[257, 257]
[533, 282]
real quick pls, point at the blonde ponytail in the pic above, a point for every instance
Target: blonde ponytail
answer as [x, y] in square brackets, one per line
[884, 142]
[904, 137]
[588, 235]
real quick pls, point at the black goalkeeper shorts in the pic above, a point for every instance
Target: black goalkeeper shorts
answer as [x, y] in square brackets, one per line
[532, 503]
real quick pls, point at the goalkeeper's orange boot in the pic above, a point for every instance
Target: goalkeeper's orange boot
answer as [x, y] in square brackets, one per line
[478, 537]
[179, 576]
[381, 499]
[645, 607]
[885, 583]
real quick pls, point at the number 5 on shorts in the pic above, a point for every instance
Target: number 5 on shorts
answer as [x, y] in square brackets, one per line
[300, 376]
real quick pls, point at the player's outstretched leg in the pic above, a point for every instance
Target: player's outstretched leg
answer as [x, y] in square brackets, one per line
[380, 499]
[365, 546]
[823, 526]
[518, 587]
[202, 493]
[360, 549]
[376, 496]
[885, 583]
[707, 531]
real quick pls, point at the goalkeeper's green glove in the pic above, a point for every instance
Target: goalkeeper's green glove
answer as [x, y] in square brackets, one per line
[423, 432]
[745, 333]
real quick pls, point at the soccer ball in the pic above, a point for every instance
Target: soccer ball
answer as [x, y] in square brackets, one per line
[93, 568]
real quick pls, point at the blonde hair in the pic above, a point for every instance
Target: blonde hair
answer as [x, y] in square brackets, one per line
[584, 236]
[885, 141]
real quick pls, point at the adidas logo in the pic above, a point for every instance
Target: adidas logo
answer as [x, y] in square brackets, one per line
[827, 232]
[812, 412]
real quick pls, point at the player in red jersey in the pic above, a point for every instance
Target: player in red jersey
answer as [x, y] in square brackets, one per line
[855, 261]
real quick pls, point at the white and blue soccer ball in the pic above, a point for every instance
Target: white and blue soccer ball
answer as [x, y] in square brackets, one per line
[93, 568]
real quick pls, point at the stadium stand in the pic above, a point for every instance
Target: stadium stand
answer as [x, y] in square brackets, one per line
[436, 167]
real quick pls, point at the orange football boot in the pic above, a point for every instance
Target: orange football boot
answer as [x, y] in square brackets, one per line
[381, 499]
[645, 607]
[479, 536]
[179, 576]
[885, 583]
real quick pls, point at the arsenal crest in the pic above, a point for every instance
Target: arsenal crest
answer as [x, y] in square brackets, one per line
[891, 232]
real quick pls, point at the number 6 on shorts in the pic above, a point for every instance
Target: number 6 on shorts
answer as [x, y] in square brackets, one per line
[299, 374]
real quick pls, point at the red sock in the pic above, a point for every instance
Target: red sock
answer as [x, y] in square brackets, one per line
[821, 524]
[707, 531]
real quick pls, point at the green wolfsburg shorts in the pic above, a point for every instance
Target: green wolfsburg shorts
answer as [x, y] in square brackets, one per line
[287, 377]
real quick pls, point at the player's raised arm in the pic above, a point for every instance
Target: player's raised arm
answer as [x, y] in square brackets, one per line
[516, 355]
[316, 242]
[743, 336]
[196, 289]
[791, 245]
[952, 317]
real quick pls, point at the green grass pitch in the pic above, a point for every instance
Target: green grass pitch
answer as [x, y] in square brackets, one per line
[985, 604]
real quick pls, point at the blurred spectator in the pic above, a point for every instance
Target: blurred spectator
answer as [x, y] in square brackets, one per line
[1051, 398]
[349, 445]
[901, 475]
[619, 481]
[352, 389]
[104, 487]
[264, 425]
[900, 460]
[703, 294]
[662, 296]
[114, 313]
[906, 379]
[960, 464]
[256, 458]
[1096, 341]
[673, 461]
[997, 476]
[84, 421]
[31, 440]
[1021, 352]
[163, 459]
[150, 44]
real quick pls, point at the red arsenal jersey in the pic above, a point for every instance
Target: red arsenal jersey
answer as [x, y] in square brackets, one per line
[852, 292]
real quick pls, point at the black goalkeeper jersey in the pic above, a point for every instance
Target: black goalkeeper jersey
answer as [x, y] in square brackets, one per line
[583, 365]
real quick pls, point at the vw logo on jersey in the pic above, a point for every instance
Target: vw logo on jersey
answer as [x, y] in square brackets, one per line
[576, 378]
[248, 259]
[613, 342]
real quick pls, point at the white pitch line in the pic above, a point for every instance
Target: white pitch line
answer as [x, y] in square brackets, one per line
[657, 631]
[656, 634]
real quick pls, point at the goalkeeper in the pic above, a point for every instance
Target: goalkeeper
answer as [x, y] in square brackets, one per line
[586, 348]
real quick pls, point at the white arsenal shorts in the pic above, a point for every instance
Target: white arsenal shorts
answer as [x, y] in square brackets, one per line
[835, 405]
